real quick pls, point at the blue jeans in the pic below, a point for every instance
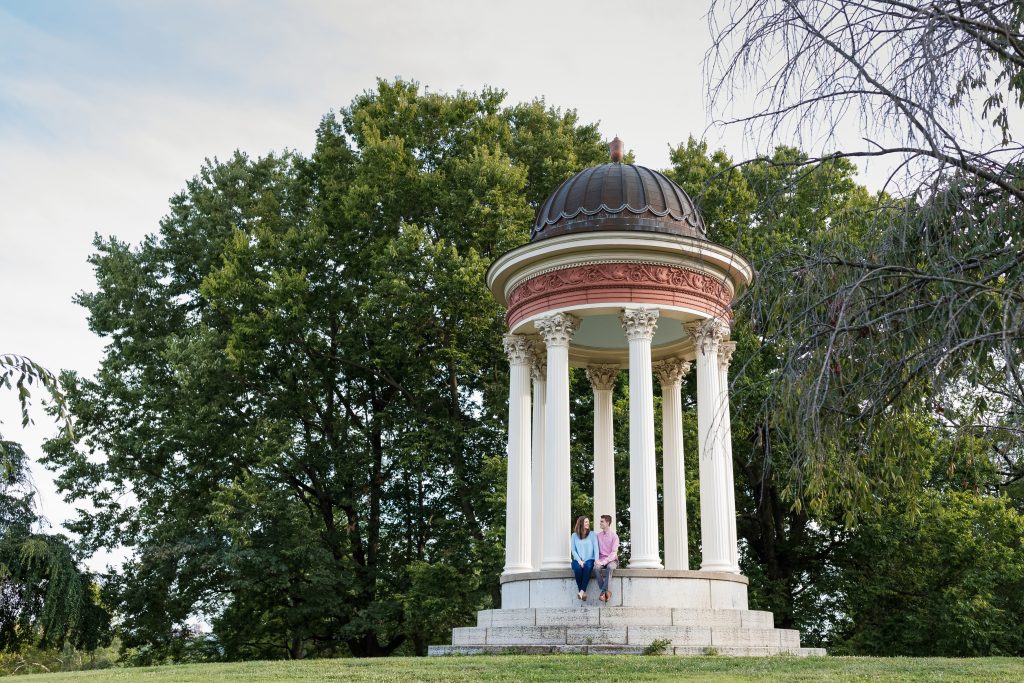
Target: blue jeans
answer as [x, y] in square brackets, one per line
[582, 573]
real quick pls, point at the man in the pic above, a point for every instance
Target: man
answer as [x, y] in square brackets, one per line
[607, 557]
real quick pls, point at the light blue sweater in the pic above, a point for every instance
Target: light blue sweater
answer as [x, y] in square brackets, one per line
[584, 549]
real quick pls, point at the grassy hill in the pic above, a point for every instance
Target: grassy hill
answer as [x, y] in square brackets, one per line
[514, 668]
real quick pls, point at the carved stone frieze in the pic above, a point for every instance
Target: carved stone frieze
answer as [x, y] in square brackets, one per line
[617, 275]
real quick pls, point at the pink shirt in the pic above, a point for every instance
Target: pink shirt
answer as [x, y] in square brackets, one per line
[607, 546]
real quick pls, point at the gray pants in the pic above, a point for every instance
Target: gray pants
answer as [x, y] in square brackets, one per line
[604, 575]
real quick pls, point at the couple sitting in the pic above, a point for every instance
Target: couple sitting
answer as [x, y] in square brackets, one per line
[594, 551]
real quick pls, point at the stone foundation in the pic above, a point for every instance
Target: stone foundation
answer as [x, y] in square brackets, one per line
[696, 612]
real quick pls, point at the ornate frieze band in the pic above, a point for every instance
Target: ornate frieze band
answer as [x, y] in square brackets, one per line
[598, 278]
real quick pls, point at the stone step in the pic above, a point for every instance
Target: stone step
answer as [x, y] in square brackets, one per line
[442, 650]
[624, 616]
[584, 634]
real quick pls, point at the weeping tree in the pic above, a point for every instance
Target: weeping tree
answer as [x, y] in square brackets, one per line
[927, 312]
[894, 352]
[46, 598]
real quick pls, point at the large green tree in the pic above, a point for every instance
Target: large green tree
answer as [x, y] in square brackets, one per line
[304, 385]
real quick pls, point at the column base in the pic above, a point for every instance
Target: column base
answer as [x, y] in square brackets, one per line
[719, 567]
[545, 565]
[645, 564]
[517, 569]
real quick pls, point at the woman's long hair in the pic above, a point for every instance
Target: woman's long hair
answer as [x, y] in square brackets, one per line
[581, 531]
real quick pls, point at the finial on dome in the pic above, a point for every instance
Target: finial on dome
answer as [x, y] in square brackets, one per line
[615, 150]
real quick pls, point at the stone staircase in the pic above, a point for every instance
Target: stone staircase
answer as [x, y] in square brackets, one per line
[625, 630]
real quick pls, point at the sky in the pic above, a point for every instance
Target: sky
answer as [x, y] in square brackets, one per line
[107, 107]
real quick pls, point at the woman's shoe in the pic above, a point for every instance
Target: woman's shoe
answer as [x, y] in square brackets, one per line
[607, 596]
[581, 595]
[603, 597]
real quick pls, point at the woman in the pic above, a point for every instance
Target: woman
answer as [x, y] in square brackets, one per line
[584, 554]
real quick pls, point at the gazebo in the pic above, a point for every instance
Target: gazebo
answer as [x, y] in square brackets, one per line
[619, 276]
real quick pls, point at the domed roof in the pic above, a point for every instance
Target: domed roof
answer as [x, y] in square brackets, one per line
[618, 196]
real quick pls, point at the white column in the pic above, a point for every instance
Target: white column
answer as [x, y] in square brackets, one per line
[517, 501]
[602, 381]
[639, 324]
[539, 370]
[714, 516]
[557, 331]
[671, 373]
[725, 351]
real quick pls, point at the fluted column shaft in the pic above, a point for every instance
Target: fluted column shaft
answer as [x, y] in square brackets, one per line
[517, 501]
[640, 324]
[671, 374]
[557, 331]
[725, 351]
[602, 381]
[714, 517]
[539, 371]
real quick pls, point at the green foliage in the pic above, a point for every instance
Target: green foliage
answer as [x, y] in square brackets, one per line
[30, 659]
[439, 596]
[25, 372]
[304, 386]
[945, 578]
[658, 646]
[46, 599]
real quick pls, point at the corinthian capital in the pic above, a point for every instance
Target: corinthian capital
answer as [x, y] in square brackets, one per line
[519, 349]
[707, 334]
[602, 377]
[671, 370]
[539, 368]
[639, 323]
[558, 329]
[725, 351]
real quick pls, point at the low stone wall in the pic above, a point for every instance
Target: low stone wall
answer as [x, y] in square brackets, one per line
[655, 588]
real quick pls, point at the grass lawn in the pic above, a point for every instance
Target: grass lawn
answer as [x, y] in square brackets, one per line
[582, 668]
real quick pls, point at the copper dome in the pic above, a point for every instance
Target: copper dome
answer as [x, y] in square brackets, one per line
[618, 197]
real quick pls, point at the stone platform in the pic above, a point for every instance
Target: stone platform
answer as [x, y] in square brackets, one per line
[696, 612]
